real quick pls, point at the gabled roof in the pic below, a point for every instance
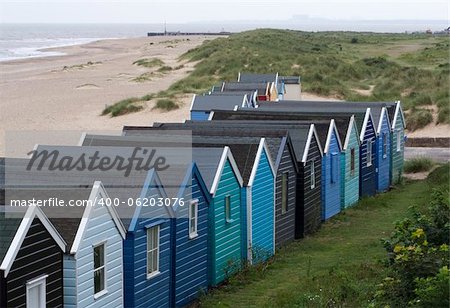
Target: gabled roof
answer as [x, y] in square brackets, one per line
[398, 109]
[220, 102]
[262, 88]
[257, 78]
[384, 113]
[14, 226]
[367, 117]
[290, 79]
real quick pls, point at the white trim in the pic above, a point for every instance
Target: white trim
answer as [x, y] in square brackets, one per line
[105, 288]
[236, 107]
[42, 281]
[192, 102]
[239, 77]
[82, 138]
[226, 154]
[398, 108]
[351, 125]
[369, 146]
[211, 115]
[332, 128]
[262, 147]
[312, 174]
[22, 230]
[312, 132]
[249, 224]
[97, 190]
[158, 249]
[193, 234]
[244, 100]
[380, 122]
[366, 120]
[223, 86]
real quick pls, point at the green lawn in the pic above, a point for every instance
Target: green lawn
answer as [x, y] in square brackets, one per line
[340, 266]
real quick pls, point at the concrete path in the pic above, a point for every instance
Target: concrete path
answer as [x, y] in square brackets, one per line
[436, 154]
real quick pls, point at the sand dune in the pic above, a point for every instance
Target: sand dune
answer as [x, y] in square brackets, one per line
[69, 92]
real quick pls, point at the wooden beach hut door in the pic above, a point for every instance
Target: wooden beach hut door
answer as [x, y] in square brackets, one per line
[36, 293]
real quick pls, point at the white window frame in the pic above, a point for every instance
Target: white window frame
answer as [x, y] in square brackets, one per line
[313, 174]
[193, 218]
[369, 153]
[385, 146]
[105, 290]
[352, 161]
[227, 206]
[399, 140]
[152, 250]
[42, 282]
[284, 192]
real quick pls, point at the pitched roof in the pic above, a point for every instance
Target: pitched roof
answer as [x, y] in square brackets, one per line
[9, 224]
[257, 78]
[219, 102]
[261, 87]
[290, 79]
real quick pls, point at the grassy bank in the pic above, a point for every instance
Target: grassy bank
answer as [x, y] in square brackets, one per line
[340, 266]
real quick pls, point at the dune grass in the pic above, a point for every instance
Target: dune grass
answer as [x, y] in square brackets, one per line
[166, 104]
[149, 62]
[418, 165]
[340, 266]
[125, 106]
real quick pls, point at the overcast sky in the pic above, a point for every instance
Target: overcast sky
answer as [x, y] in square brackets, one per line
[150, 11]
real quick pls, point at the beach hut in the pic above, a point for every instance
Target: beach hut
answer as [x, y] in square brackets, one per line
[224, 182]
[31, 259]
[275, 87]
[251, 95]
[202, 104]
[291, 86]
[348, 133]
[308, 152]
[263, 89]
[93, 262]
[367, 133]
[397, 142]
[189, 234]
[285, 164]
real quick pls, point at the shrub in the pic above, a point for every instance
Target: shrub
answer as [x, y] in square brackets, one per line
[418, 165]
[122, 107]
[418, 118]
[166, 104]
[432, 291]
[354, 40]
[149, 62]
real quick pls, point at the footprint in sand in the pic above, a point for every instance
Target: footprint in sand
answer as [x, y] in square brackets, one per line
[87, 86]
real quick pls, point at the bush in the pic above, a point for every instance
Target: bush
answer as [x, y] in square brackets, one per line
[418, 118]
[354, 40]
[149, 62]
[418, 165]
[123, 107]
[166, 104]
[418, 258]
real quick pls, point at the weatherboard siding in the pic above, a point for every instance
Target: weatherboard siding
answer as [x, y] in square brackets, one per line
[331, 190]
[244, 238]
[309, 202]
[39, 255]
[226, 241]
[100, 228]
[285, 222]
[263, 211]
[199, 115]
[190, 255]
[70, 281]
[349, 179]
[397, 157]
[384, 161]
[367, 181]
[139, 290]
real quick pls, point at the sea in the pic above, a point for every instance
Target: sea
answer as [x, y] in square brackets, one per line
[19, 41]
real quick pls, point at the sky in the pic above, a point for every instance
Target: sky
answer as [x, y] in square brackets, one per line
[157, 11]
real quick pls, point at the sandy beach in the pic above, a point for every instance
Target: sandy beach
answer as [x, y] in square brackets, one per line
[69, 92]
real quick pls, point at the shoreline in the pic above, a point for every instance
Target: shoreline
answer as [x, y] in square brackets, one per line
[69, 92]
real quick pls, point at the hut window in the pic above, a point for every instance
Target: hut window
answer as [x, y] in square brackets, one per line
[399, 141]
[385, 145]
[369, 153]
[284, 192]
[152, 251]
[99, 270]
[313, 175]
[36, 292]
[193, 219]
[334, 167]
[352, 161]
[228, 209]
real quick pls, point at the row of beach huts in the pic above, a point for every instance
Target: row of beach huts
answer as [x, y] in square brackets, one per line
[252, 170]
